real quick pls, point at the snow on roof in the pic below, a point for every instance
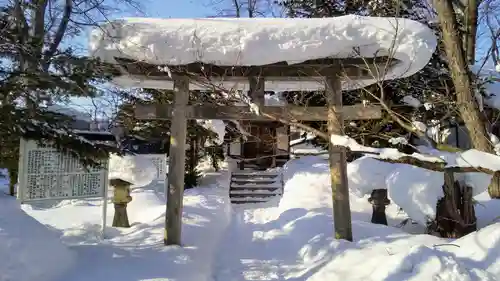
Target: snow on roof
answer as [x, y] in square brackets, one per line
[492, 84]
[262, 41]
[71, 112]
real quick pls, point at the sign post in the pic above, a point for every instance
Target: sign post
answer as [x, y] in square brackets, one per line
[46, 174]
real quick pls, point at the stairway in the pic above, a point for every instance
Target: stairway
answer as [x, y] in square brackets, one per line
[248, 186]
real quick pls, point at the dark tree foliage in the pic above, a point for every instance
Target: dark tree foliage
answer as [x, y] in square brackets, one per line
[201, 141]
[37, 70]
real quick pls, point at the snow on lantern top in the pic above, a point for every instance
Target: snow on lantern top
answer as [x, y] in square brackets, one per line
[138, 170]
[264, 41]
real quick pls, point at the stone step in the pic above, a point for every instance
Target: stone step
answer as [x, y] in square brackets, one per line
[239, 193]
[254, 180]
[254, 186]
[247, 200]
[253, 173]
[251, 186]
[267, 197]
[247, 191]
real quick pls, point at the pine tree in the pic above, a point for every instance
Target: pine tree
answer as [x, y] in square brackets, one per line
[159, 130]
[37, 69]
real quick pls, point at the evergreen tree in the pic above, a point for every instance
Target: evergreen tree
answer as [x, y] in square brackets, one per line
[38, 68]
[201, 141]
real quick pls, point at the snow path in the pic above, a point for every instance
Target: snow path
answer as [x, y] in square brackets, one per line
[138, 253]
[249, 257]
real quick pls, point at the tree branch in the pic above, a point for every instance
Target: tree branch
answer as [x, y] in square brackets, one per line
[61, 30]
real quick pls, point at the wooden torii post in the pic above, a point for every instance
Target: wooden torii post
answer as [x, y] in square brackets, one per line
[327, 70]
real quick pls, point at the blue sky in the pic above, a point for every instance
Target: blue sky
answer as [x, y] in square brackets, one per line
[152, 8]
[178, 8]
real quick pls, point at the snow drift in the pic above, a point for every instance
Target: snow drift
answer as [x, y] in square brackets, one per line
[29, 250]
[295, 241]
[378, 253]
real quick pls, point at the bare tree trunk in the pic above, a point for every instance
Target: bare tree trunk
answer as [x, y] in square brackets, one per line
[471, 30]
[494, 186]
[237, 9]
[455, 216]
[467, 104]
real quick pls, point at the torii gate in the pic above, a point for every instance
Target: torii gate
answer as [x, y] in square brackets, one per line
[327, 70]
[225, 50]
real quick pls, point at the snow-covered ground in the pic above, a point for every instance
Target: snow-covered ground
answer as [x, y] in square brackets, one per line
[289, 239]
[29, 250]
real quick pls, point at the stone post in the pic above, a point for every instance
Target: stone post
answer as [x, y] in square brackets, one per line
[379, 200]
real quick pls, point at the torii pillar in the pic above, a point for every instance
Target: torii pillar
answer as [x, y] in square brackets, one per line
[177, 158]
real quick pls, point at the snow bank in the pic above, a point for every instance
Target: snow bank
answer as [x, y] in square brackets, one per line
[29, 250]
[307, 183]
[414, 189]
[481, 248]
[242, 41]
[385, 260]
[296, 242]
[366, 174]
[136, 169]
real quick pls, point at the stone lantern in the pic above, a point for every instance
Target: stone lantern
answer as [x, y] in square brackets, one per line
[121, 197]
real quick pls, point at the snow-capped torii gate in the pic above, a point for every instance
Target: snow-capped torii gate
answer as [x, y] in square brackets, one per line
[181, 54]
[328, 70]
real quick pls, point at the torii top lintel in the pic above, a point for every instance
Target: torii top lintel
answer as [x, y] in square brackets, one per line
[282, 47]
